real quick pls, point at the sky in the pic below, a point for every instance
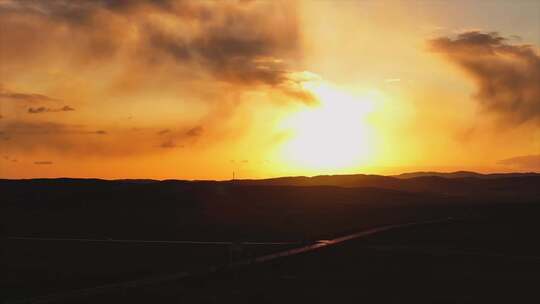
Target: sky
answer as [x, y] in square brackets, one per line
[193, 89]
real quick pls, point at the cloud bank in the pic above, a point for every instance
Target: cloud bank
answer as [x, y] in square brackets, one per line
[507, 75]
[243, 43]
[104, 55]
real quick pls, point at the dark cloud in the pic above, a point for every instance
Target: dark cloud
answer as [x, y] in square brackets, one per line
[297, 92]
[507, 75]
[21, 128]
[78, 141]
[168, 144]
[67, 108]
[194, 132]
[527, 162]
[27, 128]
[207, 51]
[45, 110]
[38, 110]
[243, 47]
[68, 140]
[178, 139]
[75, 11]
[43, 162]
[164, 131]
[190, 135]
[24, 97]
[237, 42]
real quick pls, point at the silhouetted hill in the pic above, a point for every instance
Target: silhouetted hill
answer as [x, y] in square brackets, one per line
[460, 183]
[294, 209]
[457, 174]
[287, 207]
[463, 174]
[352, 180]
[180, 209]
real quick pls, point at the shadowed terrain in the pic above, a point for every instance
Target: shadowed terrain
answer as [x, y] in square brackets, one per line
[291, 211]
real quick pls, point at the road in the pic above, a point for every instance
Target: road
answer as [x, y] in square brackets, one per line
[207, 270]
[325, 243]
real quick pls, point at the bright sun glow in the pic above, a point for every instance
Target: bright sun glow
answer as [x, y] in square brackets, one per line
[333, 135]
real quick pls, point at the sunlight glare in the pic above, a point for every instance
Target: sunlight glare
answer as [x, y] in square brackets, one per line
[333, 135]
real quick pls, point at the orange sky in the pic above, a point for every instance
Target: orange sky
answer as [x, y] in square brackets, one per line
[199, 89]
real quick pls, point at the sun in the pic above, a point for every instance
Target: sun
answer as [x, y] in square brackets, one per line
[332, 136]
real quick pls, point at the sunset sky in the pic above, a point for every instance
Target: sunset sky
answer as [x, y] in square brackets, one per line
[199, 89]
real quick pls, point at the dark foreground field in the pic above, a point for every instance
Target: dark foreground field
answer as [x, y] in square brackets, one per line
[484, 251]
[492, 258]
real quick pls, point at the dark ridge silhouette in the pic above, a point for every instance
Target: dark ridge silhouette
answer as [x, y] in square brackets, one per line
[461, 174]
[267, 209]
[458, 183]
[288, 209]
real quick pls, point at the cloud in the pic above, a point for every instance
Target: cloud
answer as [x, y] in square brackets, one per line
[240, 43]
[164, 131]
[528, 162]
[45, 110]
[24, 97]
[246, 44]
[28, 128]
[168, 144]
[38, 110]
[506, 75]
[194, 132]
[222, 54]
[61, 138]
[43, 162]
[80, 141]
[188, 136]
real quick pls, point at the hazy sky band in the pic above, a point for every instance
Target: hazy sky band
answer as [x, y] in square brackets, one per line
[89, 87]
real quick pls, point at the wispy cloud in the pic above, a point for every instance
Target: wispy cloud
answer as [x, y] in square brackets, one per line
[194, 132]
[43, 162]
[168, 144]
[45, 109]
[527, 162]
[23, 97]
[164, 131]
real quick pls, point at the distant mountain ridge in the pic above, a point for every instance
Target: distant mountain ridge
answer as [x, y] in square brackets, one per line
[460, 183]
[456, 183]
[272, 209]
[319, 180]
[501, 186]
[463, 174]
